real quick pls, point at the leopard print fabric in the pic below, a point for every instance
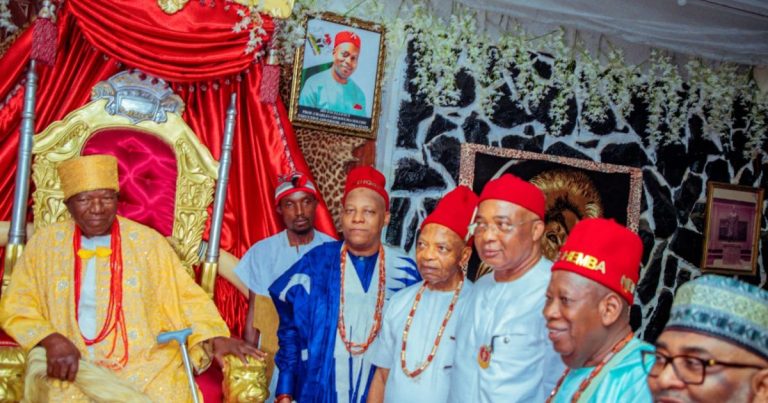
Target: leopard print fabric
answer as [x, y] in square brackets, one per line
[329, 156]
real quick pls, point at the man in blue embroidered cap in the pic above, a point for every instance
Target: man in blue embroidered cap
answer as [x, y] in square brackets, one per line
[715, 346]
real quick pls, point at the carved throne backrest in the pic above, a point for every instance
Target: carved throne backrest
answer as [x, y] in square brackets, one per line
[132, 109]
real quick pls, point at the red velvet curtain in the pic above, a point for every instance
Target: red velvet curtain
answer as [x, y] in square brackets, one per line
[198, 53]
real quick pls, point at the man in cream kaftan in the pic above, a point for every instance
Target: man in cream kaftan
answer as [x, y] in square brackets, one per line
[158, 295]
[101, 288]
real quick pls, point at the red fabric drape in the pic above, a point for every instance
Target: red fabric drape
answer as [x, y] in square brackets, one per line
[195, 50]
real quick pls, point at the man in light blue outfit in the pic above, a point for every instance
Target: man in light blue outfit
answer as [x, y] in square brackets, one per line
[587, 313]
[333, 89]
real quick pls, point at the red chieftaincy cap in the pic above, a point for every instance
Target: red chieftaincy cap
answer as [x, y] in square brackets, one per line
[292, 183]
[454, 211]
[605, 252]
[346, 36]
[369, 178]
[512, 189]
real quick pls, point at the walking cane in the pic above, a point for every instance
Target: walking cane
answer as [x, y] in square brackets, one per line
[181, 337]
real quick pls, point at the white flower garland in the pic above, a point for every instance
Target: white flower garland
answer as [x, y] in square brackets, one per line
[596, 88]
[444, 48]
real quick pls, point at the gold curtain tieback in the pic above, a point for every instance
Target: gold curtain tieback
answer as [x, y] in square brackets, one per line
[101, 251]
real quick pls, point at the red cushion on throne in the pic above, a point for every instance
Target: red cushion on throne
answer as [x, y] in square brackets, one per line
[6, 340]
[147, 171]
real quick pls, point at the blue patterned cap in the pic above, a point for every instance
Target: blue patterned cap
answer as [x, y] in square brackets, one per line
[725, 308]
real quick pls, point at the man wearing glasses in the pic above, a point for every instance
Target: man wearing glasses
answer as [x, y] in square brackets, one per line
[587, 313]
[715, 346]
[505, 355]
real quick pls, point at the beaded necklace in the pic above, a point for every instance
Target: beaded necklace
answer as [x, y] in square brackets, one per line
[360, 348]
[585, 383]
[446, 318]
[115, 318]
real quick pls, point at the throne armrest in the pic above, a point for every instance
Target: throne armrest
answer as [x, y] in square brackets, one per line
[12, 363]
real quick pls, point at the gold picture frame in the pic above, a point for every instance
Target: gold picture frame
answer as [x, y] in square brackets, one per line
[318, 98]
[732, 229]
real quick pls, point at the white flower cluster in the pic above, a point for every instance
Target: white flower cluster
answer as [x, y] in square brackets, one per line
[662, 89]
[6, 22]
[577, 76]
[252, 21]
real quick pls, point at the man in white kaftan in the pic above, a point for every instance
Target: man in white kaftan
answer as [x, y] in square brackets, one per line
[505, 355]
[422, 319]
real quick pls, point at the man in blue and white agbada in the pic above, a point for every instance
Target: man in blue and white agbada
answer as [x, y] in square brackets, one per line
[587, 313]
[414, 354]
[332, 300]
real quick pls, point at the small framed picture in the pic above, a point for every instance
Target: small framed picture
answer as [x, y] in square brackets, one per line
[732, 229]
[337, 76]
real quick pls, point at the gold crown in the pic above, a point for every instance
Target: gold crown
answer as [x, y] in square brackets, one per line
[92, 172]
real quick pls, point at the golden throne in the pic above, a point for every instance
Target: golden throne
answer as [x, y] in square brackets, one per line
[167, 181]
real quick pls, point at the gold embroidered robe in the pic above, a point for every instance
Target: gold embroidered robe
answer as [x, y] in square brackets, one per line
[158, 295]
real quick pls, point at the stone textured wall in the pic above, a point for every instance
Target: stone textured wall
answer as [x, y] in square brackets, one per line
[425, 164]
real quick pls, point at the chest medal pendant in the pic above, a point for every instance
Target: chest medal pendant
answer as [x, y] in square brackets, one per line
[484, 356]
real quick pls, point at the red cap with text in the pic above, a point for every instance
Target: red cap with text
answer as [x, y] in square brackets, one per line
[512, 189]
[369, 178]
[454, 211]
[346, 36]
[605, 252]
[292, 183]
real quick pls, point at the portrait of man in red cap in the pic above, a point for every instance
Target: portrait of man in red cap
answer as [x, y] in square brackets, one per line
[334, 89]
[338, 74]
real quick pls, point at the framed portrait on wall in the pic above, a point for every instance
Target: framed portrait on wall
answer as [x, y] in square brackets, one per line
[732, 228]
[337, 76]
[575, 189]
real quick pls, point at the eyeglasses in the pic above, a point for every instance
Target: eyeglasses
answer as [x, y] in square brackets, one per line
[479, 228]
[690, 370]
